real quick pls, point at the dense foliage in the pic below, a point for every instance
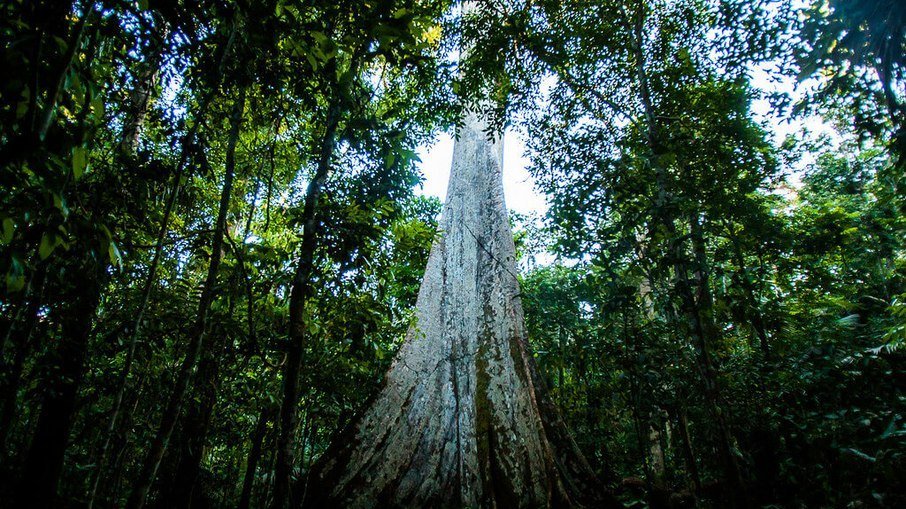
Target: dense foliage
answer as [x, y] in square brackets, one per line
[211, 243]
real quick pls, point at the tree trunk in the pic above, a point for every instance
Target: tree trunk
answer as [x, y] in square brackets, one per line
[752, 308]
[194, 429]
[656, 452]
[22, 332]
[151, 278]
[300, 293]
[44, 463]
[698, 313]
[251, 464]
[704, 332]
[146, 79]
[59, 79]
[119, 444]
[174, 404]
[682, 426]
[463, 419]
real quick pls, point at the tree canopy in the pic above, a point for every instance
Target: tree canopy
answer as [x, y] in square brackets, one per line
[212, 238]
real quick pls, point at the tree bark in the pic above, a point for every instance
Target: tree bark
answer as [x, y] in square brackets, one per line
[59, 78]
[44, 463]
[194, 428]
[174, 404]
[700, 313]
[151, 278]
[682, 425]
[254, 457]
[300, 293]
[139, 101]
[463, 419]
[752, 308]
[13, 376]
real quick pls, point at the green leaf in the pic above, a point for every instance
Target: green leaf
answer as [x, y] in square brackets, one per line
[9, 227]
[21, 109]
[15, 277]
[319, 37]
[312, 61]
[114, 253]
[48, 244]
[60, 203]
[14, 282]
[79, 161]
[97, 104]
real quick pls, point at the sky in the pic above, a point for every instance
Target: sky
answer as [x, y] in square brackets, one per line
[519, 189]
[518, 185]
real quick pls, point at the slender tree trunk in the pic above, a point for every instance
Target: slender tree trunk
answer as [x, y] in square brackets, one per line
[656, 453]
[688, 454]
[174, 404]
[701, 325]
[133, 341]
[120, 441]
[254, 457]
[700, 312]
[752, 307]
[635, 393]
[58, 80]
[139, 101]
[11, 391]
[641, 417]
[151, 278]
[22, 332]
[194, 429]
[300, 293]
[134, 335]
[267, 496]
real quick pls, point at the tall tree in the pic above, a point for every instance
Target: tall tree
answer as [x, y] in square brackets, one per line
[463, 418]
[195, 343]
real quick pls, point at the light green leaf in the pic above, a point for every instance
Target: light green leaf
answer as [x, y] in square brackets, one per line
[9, 227]
[114, 253]
[79, 161]
[319, 37]
[98, 105]
[312, 61]
[21, 109]
[48, 244]
[60, 203]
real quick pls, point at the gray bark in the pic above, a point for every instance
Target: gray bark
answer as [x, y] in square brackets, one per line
[463, 419]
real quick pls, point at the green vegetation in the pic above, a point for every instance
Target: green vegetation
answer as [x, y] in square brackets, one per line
[211, 243]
